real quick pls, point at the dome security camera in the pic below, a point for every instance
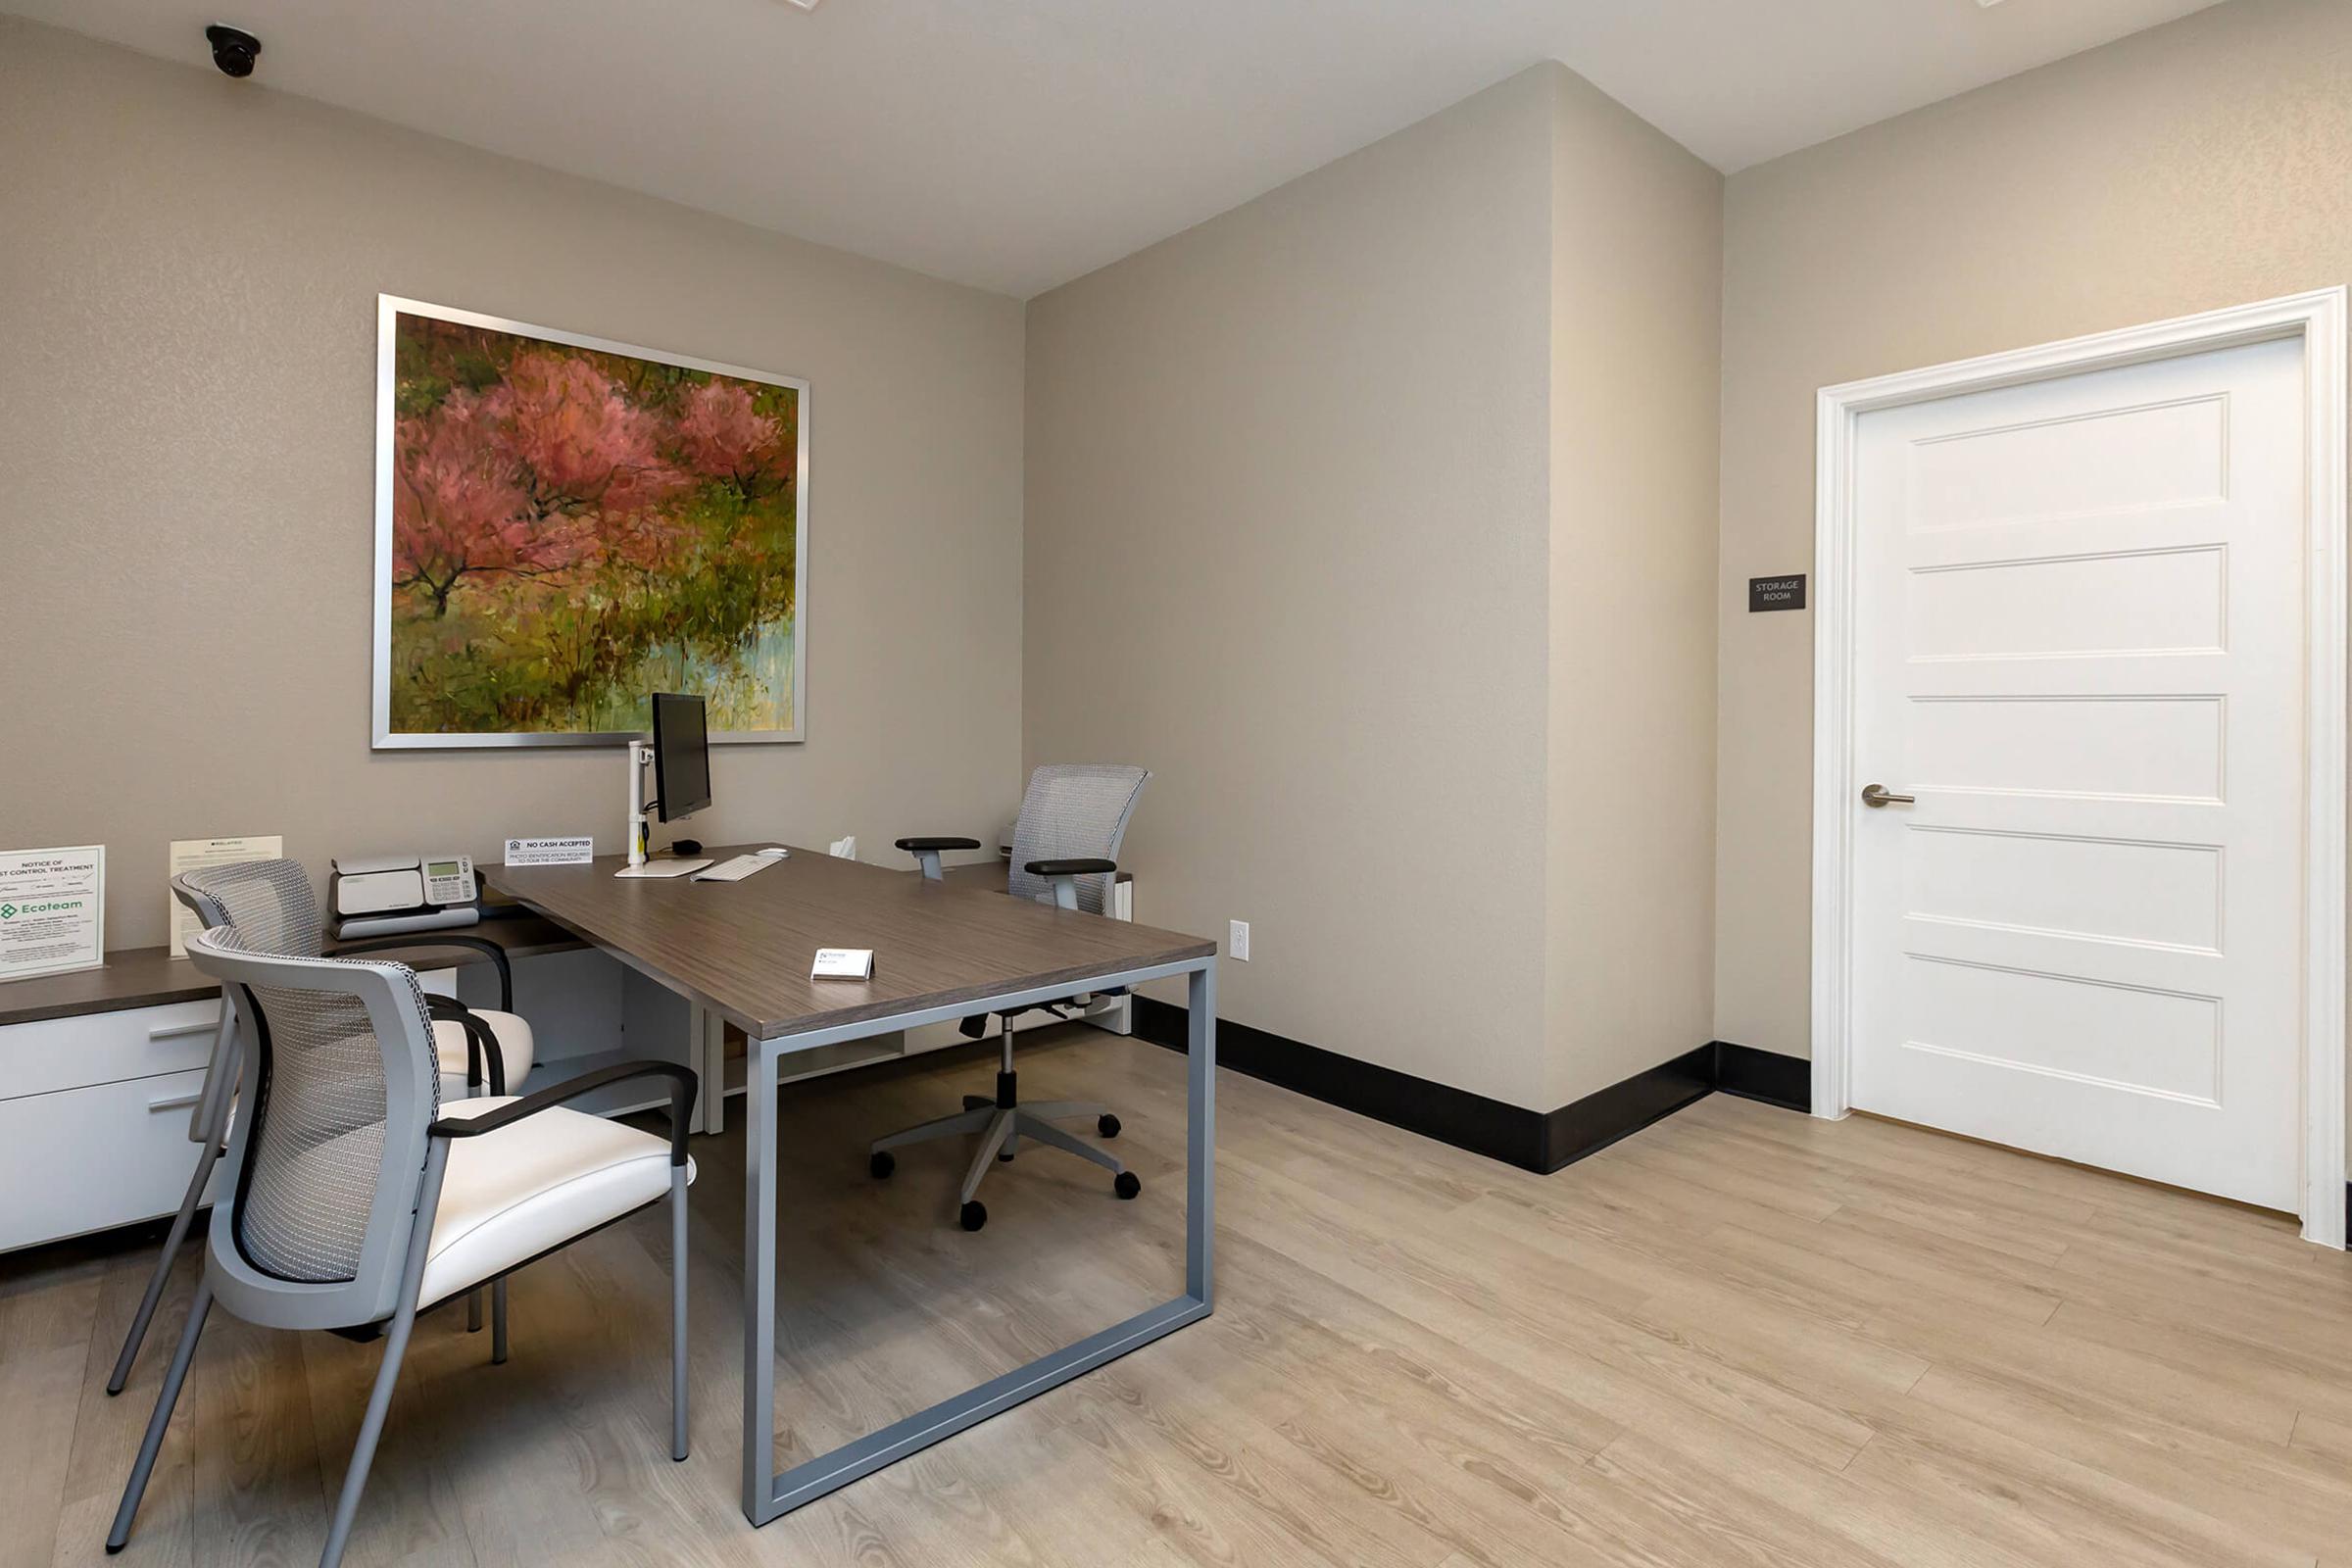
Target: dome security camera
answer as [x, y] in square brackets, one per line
[234, 50]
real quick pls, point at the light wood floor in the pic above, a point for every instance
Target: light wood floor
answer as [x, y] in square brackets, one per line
[1740, 1337]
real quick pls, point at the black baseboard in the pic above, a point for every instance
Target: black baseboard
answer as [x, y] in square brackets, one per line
[1531, 1140]
[1592, 1124]
[1765, 1075]
[1437, 1110]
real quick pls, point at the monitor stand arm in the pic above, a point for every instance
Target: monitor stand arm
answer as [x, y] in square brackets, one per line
[641, 812]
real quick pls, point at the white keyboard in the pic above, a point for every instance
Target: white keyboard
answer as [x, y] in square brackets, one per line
[743, 866]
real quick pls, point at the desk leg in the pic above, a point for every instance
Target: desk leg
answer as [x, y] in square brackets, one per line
[1201, 1134]
[706, 1055]
[766, 1494]
[760, 1282]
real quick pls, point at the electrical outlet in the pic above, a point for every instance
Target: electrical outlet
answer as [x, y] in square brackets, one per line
[1237, 940]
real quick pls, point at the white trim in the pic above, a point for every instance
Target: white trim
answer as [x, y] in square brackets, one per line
[389, 308]
[2317, 320]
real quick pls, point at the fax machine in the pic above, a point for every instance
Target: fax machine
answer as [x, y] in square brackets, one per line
[388, 894]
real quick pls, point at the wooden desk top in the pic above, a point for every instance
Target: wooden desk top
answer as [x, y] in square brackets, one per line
[743, 949]
[150, 977]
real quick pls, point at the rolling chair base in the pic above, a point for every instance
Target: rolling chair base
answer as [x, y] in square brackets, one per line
[1001, 1123]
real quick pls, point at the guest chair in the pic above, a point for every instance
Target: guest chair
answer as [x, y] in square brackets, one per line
[1065, 853]
[359, 1201]
[271, 902]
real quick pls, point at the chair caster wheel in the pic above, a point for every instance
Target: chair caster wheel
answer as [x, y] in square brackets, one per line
[974, 1215]
[1107, 1125]
[882, 1164]
[1127, 1185]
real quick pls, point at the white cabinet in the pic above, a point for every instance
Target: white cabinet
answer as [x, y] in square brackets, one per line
[84, 1159]
[94, 1116]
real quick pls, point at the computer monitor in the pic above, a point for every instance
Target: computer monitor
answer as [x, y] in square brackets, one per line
[681, 756]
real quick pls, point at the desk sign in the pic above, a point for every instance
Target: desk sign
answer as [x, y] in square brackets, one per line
[52, 911]
[551, 852]
[843, 963]
[1776, 593]
[194, 855]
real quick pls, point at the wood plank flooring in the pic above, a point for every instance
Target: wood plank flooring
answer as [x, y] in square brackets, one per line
[1742, 1337]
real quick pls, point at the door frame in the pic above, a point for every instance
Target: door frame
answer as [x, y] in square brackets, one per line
[2318, 320]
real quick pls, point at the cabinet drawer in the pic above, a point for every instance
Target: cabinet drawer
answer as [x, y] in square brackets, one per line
[101, 1048]
[83, 1160]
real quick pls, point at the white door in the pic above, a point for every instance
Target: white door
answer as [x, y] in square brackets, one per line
[2079, 634]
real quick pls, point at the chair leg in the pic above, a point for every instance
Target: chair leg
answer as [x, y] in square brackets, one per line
[474, 1299]
[969, 1121]
[1065, 1110]
[1000, 1128]
[498, 1323]
[372, 1429]
[677, 1312]
[396, 1346]
[163, 1267]
[144, 1466]
[1046, 1133]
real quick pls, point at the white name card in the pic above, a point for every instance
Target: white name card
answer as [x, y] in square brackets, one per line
[551, 852]
[843, 963]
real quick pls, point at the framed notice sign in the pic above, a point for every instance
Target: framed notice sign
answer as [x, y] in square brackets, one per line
[52, 911]
[194, 855]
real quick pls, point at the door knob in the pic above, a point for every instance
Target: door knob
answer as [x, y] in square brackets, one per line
[1876, 794]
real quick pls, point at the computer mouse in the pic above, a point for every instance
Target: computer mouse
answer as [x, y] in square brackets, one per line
[777, 850]
[685, 845]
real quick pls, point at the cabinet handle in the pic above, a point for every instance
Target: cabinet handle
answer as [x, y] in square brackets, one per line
[181, 1031]
[175, 1102]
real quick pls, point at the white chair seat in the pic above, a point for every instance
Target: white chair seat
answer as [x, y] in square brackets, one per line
[511, 1195]
[512, 1033]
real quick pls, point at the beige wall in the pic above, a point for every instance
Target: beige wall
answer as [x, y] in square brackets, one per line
[1636, 333]
[1394, 588]
[1285, 548]
[2204, 164]
[188, 272]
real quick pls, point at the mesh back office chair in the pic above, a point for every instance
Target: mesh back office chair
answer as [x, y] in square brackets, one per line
[1064, 852]
[269, 902]
[358, 1199]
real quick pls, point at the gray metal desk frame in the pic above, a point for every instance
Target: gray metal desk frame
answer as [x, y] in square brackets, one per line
[766, 1494]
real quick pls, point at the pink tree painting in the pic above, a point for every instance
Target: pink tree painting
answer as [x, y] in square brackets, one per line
[572, 528]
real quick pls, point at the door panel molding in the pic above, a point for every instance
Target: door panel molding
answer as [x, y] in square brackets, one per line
[2317, 320]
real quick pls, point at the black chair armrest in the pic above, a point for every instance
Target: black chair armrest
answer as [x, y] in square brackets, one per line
[481, 1042]
[1069, 867]
[681, 1103]
[912, 845]
[420, 941]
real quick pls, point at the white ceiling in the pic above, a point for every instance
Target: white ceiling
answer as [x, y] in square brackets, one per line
[1015, 144]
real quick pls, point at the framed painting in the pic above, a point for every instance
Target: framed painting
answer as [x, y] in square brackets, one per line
[565, 525]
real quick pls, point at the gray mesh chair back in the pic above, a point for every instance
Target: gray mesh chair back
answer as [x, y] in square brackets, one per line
[1075, 811]
[327, 1157]
[269, 902]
